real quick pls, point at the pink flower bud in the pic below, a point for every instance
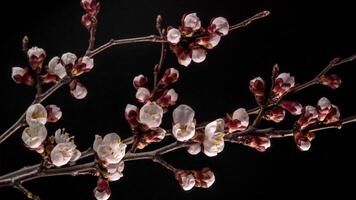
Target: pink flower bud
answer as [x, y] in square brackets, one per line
[102, 190]
[302, 141]
[152, 136]
[257, 87]
[185, 179]
[173, 35]
[333, 115]
[54, 113]
[260, 143]
[56, 68]
[143, 94]
[140, 81]
[77, 89]
[22, 76]
[323, 108]
[86, 21]
[84, 64]
[91, 6]
[183, 55]
[294, 107]
[131, 115]
[170, 76]
[204, 178]
[168, 98]
[35, 57]
[219, 25]
[333, 80]
[283, 83]
[239, 121]
[309, 116]
[275, 114]
[191, 21]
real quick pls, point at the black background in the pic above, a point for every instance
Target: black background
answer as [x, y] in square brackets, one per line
[301, 36]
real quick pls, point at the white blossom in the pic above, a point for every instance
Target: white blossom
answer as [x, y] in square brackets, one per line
[221, 25]
[214, 138]
[184, 124]
[151, 115]
[62, 153]
[36, 114]
[242, 116]
[198, 55]
[34, 136]
[55, 67]
[142, 94]
[110, 149]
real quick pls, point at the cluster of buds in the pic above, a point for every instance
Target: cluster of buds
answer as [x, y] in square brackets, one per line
[190, 178]
[190, 41]
[56, 70]
[24, 75]
[277, 113]
[148, 118]
[91, 8]
[325, 113]
[260, 143]
[36, 117]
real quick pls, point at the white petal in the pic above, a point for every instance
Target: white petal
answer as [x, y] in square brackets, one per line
[194, 149]
[151, 115]
[241, 115]
[324, 103]
[34, 136]
[35, 114]
[185, 61]
[287, 79]
[142, 94]
[183, 114]
[221, 25]
[192, 21]
[198, 55]
[68, 58]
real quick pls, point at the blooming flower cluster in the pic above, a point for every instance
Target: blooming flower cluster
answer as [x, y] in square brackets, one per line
[36, 117]
[148, 118]
[324, 112]
[57, 69]
[109, 151]
[190, 41]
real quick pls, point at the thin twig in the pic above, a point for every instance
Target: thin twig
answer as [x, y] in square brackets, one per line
[246, 22]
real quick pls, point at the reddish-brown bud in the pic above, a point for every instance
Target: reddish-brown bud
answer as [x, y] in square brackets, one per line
[275, 114]
[140, 81]
[333, 80]
[257, 87]
[170, 76]
[294, 107]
